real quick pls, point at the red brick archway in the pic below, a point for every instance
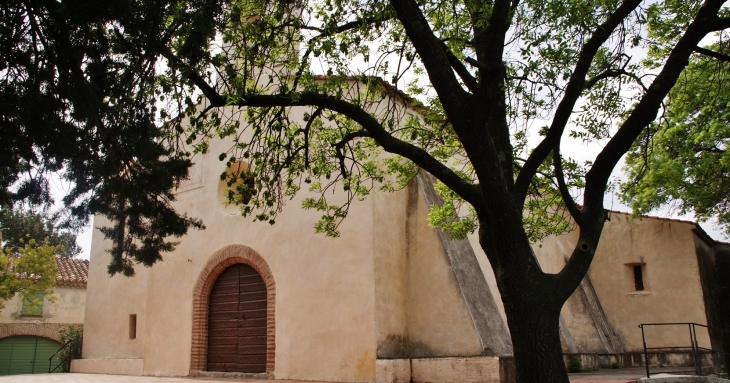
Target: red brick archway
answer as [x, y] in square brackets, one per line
[44, 330]
[218, 262]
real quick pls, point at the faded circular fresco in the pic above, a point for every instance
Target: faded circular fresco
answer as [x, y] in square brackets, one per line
[236, 169]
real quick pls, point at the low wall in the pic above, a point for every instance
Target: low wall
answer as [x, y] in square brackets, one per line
[656, 359]
[478, 369]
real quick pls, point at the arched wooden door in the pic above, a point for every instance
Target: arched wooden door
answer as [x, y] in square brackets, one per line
[237, 321]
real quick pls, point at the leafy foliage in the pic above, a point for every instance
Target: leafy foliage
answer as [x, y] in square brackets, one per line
[77, 96]
[30, 270]
[17, 225]
[310, 95]
[72, 337]
[683, 161]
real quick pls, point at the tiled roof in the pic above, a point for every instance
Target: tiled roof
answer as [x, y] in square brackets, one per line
[72, 272]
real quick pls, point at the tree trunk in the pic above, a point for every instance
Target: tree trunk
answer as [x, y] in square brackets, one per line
[532, 302]
[536, 342]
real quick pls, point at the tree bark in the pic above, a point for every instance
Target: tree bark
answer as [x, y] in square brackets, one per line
[532, 300]
[536, 340]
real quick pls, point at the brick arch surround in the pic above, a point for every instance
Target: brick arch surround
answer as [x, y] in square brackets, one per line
[43, 330]
[218, 262]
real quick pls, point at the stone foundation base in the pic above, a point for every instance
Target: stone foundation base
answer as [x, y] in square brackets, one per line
[108, 366]
[636, 359]
[477, 369]
[682, 379]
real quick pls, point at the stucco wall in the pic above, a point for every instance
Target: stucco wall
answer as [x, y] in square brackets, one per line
[390, 273]
[673, 292]
[67, 309]
[382, 285]
[109, 302]
[438, 322]
[324, 290]
[488, 273]
[419, 309]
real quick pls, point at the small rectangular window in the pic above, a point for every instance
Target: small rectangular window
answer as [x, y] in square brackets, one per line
[132, 326]
[32, 305]
[638, 278]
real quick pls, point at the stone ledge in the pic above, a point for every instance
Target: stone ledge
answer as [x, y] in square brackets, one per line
[229, 375]
[476, 369]
[667, 378]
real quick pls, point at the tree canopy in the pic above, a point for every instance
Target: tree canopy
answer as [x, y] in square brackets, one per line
[18, 226]
[119, 96]
[682, 161]
[30, 270]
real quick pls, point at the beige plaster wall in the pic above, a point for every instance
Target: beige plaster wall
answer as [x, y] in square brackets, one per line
[420, 311]
[673, 292]
[488, 273]
[68, 308]
[109, 302]
[438, 322]
[391, 273]
[324, 289]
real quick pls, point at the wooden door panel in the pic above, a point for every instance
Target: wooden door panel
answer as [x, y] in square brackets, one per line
[237, 313]
[254, 359]
[252, 323]
[256, 296]
[251, 341]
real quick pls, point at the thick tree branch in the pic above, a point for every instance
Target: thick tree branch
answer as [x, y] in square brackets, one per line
[642, 115]
[307, 128]
[420, 157]
[719, 24]
[210, 93]
[434, 58]
[341, 144]
[609, 73]
[713, 54]
[647, 109]
[475, 63]
[573, 90]
[563, 188]
[328, 32]
[460, 69]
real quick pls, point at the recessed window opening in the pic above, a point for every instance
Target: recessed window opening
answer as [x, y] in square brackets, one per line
[32, 305]
[638, 278]
[132, 326]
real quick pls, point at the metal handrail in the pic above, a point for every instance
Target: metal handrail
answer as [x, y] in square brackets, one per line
[50, 360]
[694, 345]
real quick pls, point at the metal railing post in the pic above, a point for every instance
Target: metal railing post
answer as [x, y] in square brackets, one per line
[695, 349]
[646, 356]
[50, 360]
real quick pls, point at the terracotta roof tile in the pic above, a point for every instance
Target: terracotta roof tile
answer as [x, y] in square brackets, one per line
[72, 272]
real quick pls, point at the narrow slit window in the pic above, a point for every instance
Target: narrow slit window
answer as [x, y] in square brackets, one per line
[638, 278]
[133, 326]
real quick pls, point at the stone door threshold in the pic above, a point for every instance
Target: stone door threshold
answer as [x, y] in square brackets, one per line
[229, 375]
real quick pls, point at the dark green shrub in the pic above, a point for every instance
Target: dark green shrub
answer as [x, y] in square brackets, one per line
[72, 339]
[575, 365]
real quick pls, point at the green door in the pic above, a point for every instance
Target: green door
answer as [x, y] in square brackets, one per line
[26, 355]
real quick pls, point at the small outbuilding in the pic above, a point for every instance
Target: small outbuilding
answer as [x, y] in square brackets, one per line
[29, 333]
